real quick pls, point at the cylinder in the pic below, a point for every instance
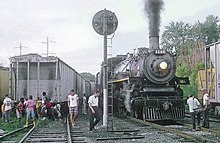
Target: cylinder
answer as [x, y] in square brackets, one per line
[153, 42]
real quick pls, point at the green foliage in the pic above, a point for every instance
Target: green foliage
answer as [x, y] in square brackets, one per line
[183, 70]
[88, 76]
[209, 30]
[174, 36]
[187, 41]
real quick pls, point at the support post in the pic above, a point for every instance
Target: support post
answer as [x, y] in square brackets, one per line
[105, 72]
[38, 78]
[28, 78]
[10, 80]
[16, 94]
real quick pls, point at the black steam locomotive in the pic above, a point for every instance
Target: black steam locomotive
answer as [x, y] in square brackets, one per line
[144, 84]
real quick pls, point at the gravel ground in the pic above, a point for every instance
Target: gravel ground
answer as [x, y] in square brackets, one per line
[150, 134]
[213, 125]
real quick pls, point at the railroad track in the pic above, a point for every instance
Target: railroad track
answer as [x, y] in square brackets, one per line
[77, 135]
[185, 131]
[12, 135]
[55, 131]
[214, 119]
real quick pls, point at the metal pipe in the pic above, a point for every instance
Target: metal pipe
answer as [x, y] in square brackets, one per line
[210, 78]
[216, 72]
[38, 78]
[56, 78]
[16, 88]
[28, 78]
[153, 42]
[105, 76]
[10, 80]
[206, 78]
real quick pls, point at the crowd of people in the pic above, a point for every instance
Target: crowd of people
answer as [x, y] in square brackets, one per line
[28, 108]
[41, 107]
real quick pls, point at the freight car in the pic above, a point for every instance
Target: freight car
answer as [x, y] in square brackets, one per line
[210, 79]
[145, 86]
[4, 82]
[34, 74]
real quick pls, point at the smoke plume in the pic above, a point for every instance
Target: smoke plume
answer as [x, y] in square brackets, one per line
[152, 10]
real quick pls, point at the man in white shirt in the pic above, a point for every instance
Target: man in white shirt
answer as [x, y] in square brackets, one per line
[94, 111]
[206, 105]
[194, 104]
[7, 103]
[73, 102]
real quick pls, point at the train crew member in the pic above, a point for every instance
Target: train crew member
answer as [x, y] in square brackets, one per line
[94, 111]
[7, 103]
[193, 105]
[38, 106]
[73, 103]
[19, 109]
[3, 111]
[84, 104]
[30, 110]
[206, 105]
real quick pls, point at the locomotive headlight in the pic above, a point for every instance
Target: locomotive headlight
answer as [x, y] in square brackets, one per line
[163, 65]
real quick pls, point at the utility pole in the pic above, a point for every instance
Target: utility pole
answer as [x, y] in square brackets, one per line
[20, 47]
[47, 42]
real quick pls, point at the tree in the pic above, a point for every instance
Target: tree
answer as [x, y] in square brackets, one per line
[88, 76]
[188, 42]
[210, 29]
[174, 36]
[207, 31]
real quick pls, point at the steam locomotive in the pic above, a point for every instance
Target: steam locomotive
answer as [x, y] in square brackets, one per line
[144, 84]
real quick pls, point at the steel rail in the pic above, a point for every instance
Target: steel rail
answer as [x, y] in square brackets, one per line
[27, 135]
[15, 131]
[211, 118]
[180, 133]
[203, 129]
[69, 139]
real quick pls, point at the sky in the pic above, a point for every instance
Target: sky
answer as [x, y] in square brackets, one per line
[69, 24]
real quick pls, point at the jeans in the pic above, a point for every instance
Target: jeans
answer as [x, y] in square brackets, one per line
[94, 117]
[7, 115]
[205, 118]
[193, 118]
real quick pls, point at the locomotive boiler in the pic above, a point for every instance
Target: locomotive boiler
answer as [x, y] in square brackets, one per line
[145, 86]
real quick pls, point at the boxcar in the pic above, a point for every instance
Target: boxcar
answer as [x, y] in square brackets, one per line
[4, 82]
[34, 74]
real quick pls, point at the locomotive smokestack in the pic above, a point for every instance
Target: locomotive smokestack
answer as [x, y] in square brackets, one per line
[152, 10]
[153, 42]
